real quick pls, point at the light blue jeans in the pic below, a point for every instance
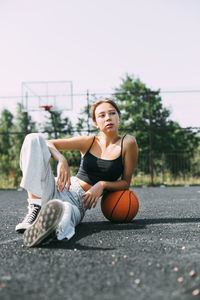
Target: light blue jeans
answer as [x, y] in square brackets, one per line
[38, 179]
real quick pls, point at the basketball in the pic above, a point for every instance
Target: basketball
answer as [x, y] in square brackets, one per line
[120, 206]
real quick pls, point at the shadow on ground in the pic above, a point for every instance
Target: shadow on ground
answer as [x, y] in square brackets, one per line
[88, 228]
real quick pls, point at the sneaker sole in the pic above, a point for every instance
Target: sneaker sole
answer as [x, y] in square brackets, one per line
[46, 222]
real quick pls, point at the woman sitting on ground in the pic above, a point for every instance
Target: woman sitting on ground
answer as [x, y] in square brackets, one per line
[107, 164]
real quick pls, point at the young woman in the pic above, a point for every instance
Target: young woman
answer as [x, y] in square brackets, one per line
[107, 163]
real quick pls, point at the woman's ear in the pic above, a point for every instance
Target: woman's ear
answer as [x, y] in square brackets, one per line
[95, 124]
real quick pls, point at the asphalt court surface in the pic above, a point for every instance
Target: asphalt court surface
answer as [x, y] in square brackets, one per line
[156, 256]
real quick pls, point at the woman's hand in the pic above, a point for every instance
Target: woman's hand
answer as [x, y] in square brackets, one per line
[63, 174]
[90, 198]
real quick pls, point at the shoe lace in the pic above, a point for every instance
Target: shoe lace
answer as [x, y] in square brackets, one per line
[33, 211]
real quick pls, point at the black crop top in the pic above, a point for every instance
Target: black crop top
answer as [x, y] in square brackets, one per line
[93, 169]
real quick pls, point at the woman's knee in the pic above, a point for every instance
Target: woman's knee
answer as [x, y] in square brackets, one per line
[34, 140]
[34, 143]
[32, 137]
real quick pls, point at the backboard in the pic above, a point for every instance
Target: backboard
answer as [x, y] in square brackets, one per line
[38, 94]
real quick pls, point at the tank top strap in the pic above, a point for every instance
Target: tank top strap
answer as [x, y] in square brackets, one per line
[91, 144]
[122, 143]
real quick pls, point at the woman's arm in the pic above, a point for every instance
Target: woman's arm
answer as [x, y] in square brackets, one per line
[130, 158]
[55, 146]
[63, 171]
[80, 143]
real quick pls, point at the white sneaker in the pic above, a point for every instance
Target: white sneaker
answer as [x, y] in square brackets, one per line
[33, 211]
[44, 227]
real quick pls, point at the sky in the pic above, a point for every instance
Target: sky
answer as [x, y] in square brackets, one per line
[95, 43]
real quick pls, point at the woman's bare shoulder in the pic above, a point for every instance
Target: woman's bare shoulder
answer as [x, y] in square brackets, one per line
[129, 139]
[130, 144]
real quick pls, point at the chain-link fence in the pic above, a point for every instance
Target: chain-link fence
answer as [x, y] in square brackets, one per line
[165, 168]
[168, 169]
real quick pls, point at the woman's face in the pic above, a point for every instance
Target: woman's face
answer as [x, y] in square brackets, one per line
[107, 118]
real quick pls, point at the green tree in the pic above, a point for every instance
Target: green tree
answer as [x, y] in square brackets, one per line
[12, 135]
[144, 116]
[56, 126]
[6, 125]
[23, 124]
[85, 124]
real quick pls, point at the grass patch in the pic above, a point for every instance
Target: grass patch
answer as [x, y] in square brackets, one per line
[9, 182]
[168, 180]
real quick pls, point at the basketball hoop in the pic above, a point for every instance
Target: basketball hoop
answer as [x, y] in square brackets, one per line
[38, 95]
[47, 107]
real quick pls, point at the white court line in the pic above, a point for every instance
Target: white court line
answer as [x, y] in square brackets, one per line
[10, 241]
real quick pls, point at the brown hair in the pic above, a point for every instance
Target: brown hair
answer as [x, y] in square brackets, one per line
[106, 100]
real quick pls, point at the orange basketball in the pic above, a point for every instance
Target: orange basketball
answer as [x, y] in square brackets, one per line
[120, 206]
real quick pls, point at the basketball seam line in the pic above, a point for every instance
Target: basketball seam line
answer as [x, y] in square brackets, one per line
[116, 203]
[129, 207]
[134, 194]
